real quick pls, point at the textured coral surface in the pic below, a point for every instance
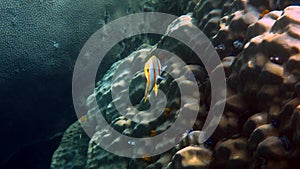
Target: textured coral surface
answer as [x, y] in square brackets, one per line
[40, 41]
[259, 128]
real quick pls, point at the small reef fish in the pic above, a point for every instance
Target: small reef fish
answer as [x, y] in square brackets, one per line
[152, 70]
[264, 12]
[147, 158]
[167, 112]
[83, 119]
[153, 133]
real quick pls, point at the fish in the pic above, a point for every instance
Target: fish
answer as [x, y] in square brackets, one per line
[153, 133]
[167, 112]
[83, 119]
[147, 158]
[152, 71]
[264, 12]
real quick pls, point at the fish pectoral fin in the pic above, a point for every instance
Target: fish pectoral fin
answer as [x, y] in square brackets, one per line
[155, 89]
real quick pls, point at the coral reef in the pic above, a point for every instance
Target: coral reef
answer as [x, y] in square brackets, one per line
[73, 149]
[208, 14]
[40, 41]
[259, 128]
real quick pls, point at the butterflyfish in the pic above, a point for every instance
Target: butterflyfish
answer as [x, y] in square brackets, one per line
[152, 70]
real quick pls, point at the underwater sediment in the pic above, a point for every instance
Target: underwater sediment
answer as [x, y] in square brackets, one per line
[260, 126]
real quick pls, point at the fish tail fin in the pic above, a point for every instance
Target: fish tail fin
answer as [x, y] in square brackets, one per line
[155, 89]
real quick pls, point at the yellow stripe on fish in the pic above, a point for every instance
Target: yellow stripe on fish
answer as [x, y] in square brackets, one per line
[152, 70]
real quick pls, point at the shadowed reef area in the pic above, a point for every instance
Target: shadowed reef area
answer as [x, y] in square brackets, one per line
[258, 42]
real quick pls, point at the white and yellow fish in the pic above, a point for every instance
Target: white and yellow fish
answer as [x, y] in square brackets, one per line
[152, 72]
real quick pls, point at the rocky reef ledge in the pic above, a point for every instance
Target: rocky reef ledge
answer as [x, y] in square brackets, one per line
[259, 44]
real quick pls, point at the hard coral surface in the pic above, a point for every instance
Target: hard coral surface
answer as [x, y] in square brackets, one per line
[40, 41]
[260, 124]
